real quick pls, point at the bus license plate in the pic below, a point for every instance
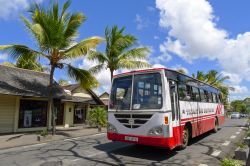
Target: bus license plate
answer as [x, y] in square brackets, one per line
[128, 138]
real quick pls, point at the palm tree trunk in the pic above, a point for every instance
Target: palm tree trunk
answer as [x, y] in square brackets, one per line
[111, 74]
[51, 106]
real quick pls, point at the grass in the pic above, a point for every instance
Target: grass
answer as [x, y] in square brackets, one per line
[230, 162]
[241, 145]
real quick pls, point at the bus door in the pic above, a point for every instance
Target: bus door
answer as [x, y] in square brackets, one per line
[175, 110]
[196, 108]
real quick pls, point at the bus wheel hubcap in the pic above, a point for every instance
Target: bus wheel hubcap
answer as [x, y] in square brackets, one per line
[185, 137]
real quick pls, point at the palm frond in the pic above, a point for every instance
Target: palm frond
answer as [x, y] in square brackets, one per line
[54, 11]
[97, 68]
[16, 51]
[82, 47]
[84, 77]
[128, 64]
[96, 55]
[72, 25]
[136, 53]
[36, 30]
[65, 8]
[8, 64]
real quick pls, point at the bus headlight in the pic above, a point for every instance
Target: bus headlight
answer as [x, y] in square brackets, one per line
[111, 128]
[156, 131]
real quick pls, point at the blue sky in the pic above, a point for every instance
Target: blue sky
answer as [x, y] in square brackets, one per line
[193, 35]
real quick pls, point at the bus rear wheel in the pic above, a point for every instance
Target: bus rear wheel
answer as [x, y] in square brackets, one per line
[185, 138]
[216, 126]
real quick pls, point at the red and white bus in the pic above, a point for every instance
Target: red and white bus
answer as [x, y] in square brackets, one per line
[162, 107]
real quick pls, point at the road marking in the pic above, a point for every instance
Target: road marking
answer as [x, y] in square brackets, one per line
[240, 129]
[216, 153]
[75, 160]
[86, 136]
[237, 133]
[37, 145]
[203, 165]
[233, 136]
[226, 143]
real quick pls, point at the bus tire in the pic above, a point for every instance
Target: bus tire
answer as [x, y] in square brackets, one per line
[185, 138]
[216, 126]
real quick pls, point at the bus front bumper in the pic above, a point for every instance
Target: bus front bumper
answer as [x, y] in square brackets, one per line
[159, 141]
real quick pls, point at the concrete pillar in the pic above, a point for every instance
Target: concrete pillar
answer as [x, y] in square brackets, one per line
[49, 117]
[16, 114]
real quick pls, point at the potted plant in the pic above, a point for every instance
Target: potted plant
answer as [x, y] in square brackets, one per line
[241, 153]
[97, 117]
[247, 139]
[43, 134]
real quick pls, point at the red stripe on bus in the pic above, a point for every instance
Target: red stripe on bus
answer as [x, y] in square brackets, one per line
[197, 117]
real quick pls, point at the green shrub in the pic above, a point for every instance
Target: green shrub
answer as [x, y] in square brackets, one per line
[97, 117]
[44, 133]
[241, 145]
[248, 133]
[230, 162]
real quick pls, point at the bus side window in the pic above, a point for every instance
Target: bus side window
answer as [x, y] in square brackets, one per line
[189, 93]
[220, 98]
[203, 96]
[182, 89]
[210, 98]
[217, 98]
[195, 94]
[214, 98]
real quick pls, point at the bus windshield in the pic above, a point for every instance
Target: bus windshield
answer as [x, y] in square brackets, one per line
[147, 92]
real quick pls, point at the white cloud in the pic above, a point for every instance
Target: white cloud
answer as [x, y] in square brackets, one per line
[9, 8]
[150, 9]
[158, 66]
[240, 90]
[233, 78]
[140, 23]
[194, 34]
[192, 30]
[156, 37]
[239, 93]
[178, 67]
[3, 57]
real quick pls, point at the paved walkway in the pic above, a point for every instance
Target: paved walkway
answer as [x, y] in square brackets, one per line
[22, 139]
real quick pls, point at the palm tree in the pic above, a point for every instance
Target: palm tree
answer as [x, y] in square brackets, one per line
[63, 82]
[120, 52]
[200, 76]
[55, 33]
[217, 80]
[181, 71]
[29, 63]
[9, 64]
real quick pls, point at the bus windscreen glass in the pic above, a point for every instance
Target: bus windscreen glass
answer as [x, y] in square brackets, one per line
[147, 92]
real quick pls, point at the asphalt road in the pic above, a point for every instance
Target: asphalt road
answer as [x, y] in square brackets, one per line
[96, 150]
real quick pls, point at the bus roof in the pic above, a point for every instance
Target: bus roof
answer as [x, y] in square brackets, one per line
[157, 69]
[139, 71]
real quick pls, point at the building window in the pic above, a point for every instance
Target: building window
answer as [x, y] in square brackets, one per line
[32, 113]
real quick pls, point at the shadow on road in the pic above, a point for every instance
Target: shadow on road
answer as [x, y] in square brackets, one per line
[154, 154]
